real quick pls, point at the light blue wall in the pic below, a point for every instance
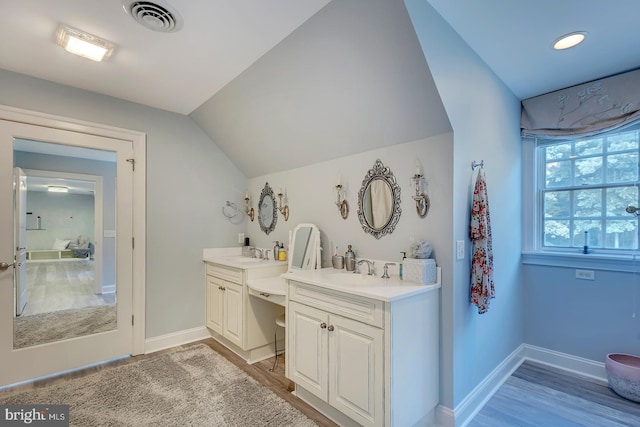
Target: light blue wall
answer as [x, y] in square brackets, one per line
[188, 180]
[485, 117]
[585, 318]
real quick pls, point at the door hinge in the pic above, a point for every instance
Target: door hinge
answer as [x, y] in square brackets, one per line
[133, 320]
[133, 243]
[133, 164]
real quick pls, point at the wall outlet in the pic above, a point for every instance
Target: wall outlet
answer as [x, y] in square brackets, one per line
[459, 249]
[241, 238]
[585, 274]
[109, 233]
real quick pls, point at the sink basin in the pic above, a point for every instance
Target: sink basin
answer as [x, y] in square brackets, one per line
[355, 279]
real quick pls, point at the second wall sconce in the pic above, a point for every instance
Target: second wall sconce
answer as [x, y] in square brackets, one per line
[284, 210]
[341, 203]
[249, 211]
[422, 200]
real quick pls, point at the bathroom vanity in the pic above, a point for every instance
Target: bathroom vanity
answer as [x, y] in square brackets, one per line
[235, 318]
[361, 349]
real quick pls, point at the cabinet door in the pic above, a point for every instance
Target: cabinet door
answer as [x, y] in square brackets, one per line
[307, 349]
[215, 307]
[233, 312]
[356, 384]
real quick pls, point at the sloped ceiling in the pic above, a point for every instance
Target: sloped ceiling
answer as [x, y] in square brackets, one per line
[350, 79]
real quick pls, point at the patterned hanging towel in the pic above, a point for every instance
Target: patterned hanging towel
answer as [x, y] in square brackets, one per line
[482, 289]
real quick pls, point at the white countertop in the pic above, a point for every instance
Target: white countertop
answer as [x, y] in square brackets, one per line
[387, 290]
[232, 257]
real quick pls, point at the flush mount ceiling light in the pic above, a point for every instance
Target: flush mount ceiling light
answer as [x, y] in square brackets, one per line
[57, 189]
[569, 40]
[157, 15]
[84, 44]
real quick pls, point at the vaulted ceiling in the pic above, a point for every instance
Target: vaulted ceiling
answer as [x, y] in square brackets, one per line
[203, 68]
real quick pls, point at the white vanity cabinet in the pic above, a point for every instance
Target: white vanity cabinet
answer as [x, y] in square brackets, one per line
[225, 308]
[338, 360]
[364, 360]
[241, 322]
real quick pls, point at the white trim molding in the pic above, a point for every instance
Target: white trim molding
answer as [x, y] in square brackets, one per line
[174, 339]
[480, 395]
[579, 365]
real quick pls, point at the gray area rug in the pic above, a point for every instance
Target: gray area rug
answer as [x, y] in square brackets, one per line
[64, 324]
[189, 387]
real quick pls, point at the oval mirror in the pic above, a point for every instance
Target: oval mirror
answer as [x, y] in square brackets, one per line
[267, 210]
[379, 201]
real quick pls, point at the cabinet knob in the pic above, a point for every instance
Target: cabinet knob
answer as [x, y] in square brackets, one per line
[330, 328]
[323, 325]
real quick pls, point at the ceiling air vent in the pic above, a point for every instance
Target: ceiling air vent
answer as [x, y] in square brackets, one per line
[155, 15]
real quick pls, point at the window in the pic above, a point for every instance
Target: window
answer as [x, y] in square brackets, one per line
[584, 187]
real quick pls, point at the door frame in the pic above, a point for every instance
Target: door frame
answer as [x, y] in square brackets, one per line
[139, 141]
[98, 202]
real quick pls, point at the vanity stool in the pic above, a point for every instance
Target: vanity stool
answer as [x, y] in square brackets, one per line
[280, 322]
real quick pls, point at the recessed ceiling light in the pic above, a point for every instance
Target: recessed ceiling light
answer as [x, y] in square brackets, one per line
[84, 44]
[57, 189]
[569, 40]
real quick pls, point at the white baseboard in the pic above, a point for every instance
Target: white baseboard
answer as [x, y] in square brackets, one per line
[473, 403]
[568, 362]
[174, 339]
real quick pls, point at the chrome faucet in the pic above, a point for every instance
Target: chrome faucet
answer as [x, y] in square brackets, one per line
[385, 275]
[257, 251]
[371, 267]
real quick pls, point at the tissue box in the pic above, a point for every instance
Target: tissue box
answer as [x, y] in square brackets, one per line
[421, 271]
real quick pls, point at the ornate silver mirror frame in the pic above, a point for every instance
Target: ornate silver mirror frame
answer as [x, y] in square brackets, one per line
[267, 209]
[379, 201]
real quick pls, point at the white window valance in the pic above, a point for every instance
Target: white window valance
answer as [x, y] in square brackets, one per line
[585, 109]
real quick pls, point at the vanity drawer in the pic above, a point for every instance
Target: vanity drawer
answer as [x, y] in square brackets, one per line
[362, 309]
[227, 273]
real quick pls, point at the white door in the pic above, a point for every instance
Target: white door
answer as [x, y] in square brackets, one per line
[19, 364]
[20, 239]
[215, 304]
[233, 312]
[355, 370]
[307, 357]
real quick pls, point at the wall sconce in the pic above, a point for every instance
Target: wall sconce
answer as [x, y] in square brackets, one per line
[284, 210]
[341, 203]
[422, 200]
[249, 211]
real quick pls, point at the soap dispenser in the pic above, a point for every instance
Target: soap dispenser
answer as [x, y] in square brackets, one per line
[404, 256]
[282, 253]
[276, 250]
[350, 259]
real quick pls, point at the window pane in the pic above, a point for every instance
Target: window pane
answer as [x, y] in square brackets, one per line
[619, 198]
[623, 141]
[622, 234]
[589, 171]
[559, 151]
[593, 229]
[587, 203]
[585, 148]
[556, 233]
[558, 174]
[622, 167]
[557, 204]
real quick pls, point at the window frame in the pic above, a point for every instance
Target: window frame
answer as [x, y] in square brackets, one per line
[533, 250]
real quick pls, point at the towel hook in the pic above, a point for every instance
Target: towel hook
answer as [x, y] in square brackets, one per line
[475, 164]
